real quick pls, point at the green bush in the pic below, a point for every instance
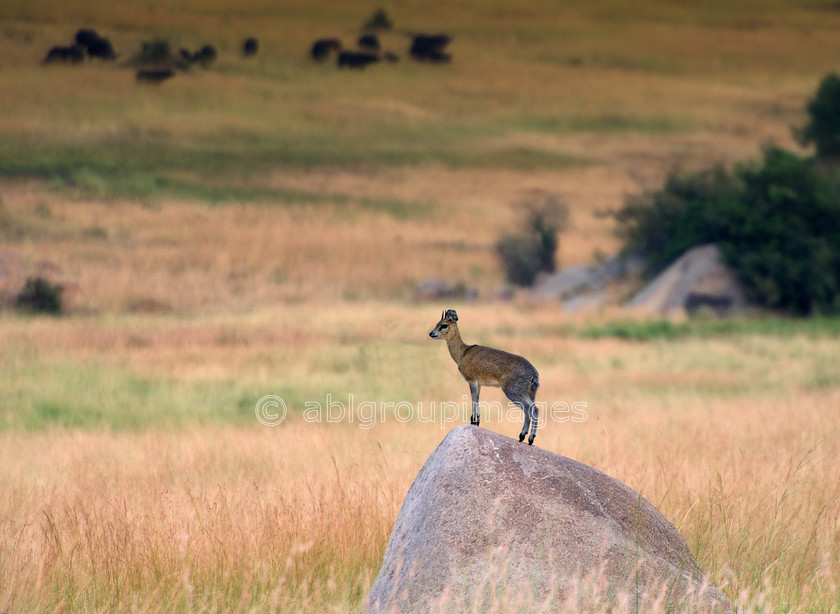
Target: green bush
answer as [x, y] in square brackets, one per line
[520, 259]
[40, 296]
[526, 255]
[380, 20]
[823, 127]
[156, 51]
[685, 212]
[545, 221]
[777, 223]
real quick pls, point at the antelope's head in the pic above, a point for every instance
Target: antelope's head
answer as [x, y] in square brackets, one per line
[446, 327]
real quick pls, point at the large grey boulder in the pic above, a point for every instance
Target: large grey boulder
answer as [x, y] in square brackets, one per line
[696, 280]
[492, 525]
[434, 288]
[569, 283]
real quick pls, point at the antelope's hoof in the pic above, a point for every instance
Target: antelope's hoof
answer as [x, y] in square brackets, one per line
[521, 436]
[530, 441]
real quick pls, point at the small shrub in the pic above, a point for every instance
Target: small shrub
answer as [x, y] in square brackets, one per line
[520, 259]
[823, 128]
[157, 51]
[95, 232]
[43, 211]
[526, 255]
[40, 296]
[547, 218]
[380, 20]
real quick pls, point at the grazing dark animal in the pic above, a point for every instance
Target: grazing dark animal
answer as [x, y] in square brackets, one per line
[356, 59]
[97, 46]
[438, 57]
[429, 48]
[102, 49]
[323, 47]
[86, 36]
[250, 46]
[370, 42]
[69, 55]
[155, 76]
[205, 55]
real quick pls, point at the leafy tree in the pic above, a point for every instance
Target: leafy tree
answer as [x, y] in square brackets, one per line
[823, 127]
[777, 223]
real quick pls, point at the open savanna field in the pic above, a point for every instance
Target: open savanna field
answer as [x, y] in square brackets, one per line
[258, 227]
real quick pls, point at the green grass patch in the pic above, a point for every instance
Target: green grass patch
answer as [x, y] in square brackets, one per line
[605, 123]
[138, 167]
[702, 328]
[156, 168]
[44, 394]
[635, 331]
[142, 183]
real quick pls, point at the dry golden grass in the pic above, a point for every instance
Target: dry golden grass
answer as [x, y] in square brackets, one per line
[295, 518]
[733, 438]
[115, 255]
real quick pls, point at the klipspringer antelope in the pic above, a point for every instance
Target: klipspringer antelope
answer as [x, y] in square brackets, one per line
[484, 366]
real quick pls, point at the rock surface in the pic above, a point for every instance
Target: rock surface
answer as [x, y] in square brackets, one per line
[490, 524]
[696, 280]
[586, 288]
[433, 289]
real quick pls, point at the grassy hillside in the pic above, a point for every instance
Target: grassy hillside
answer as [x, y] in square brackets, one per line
[535, 70]
[586, 102]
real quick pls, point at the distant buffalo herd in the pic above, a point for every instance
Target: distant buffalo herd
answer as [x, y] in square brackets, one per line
[424, 48]
[89, 44]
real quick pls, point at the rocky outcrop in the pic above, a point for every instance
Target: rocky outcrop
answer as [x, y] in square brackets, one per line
[699, 279]
[589, 287]
[490, 524]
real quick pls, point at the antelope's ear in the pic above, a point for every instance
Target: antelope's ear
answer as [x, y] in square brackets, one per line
[450, 313]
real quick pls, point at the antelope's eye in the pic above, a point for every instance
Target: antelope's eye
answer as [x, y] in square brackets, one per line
[444, 326]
